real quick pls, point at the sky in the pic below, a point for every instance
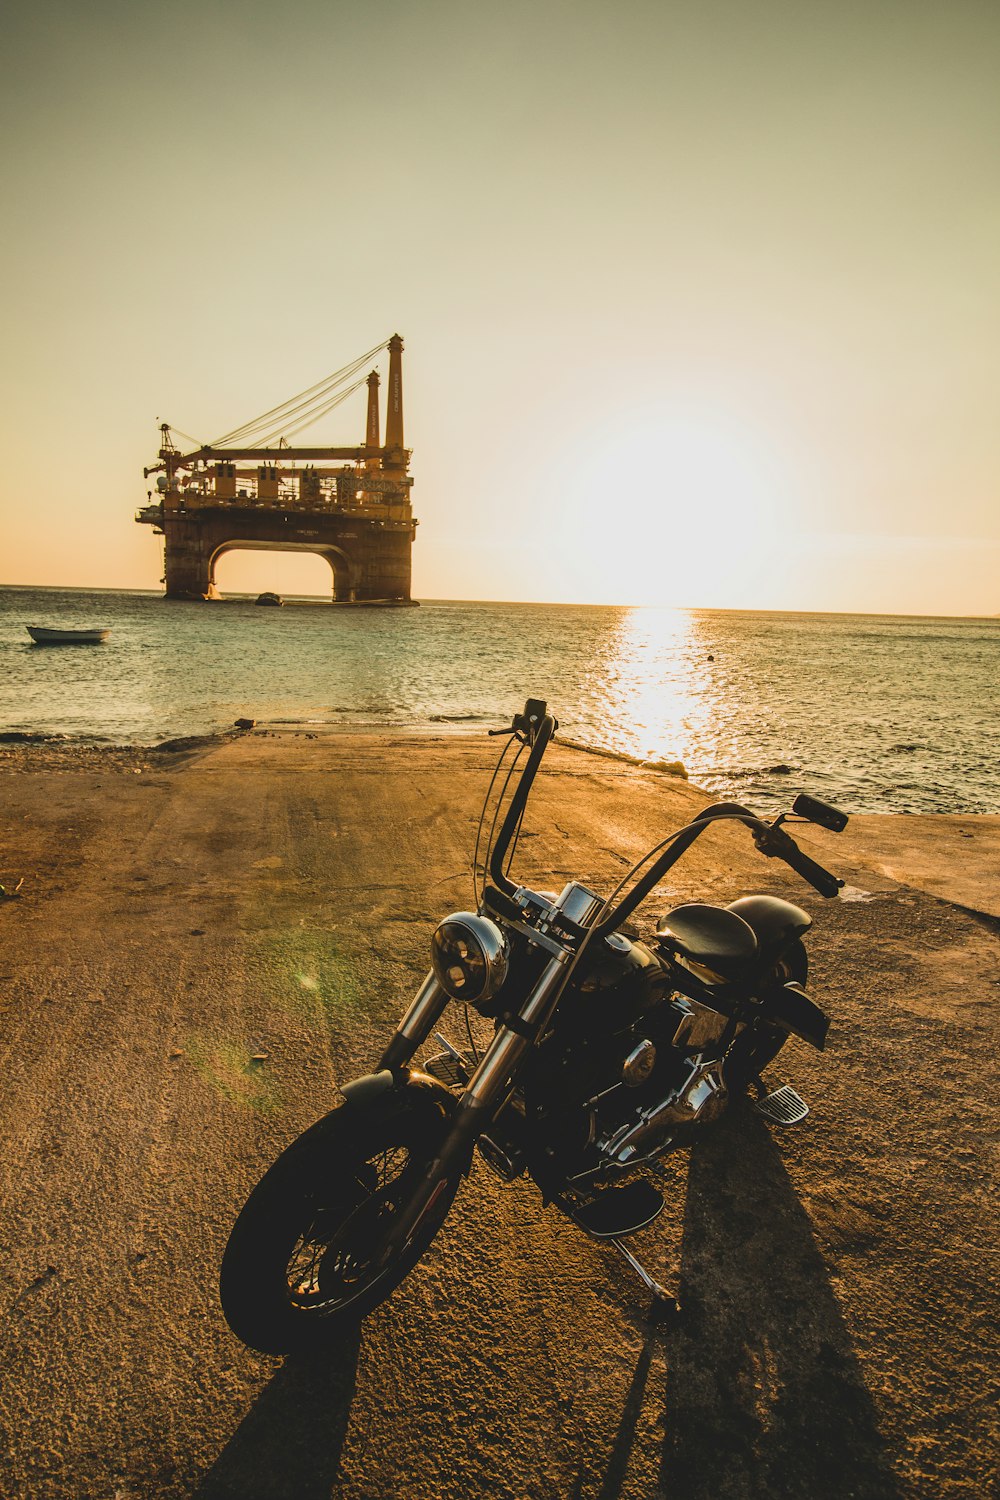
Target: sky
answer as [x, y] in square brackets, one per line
[701, 301]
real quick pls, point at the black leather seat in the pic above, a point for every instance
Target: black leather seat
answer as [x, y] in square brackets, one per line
[717, 939]
[775, 923]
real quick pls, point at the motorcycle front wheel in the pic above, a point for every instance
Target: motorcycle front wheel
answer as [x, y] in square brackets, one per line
[303, 1263]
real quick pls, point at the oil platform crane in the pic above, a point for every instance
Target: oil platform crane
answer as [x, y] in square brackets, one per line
[251, 489]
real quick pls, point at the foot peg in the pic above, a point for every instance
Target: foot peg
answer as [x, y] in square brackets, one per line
[451, 1067]
[783, 1107]
[503, 1159]
[618, 1211]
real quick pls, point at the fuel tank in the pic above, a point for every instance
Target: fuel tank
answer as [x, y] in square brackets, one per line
[621, 981]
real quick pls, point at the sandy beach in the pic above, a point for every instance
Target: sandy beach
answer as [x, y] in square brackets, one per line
[206, 940]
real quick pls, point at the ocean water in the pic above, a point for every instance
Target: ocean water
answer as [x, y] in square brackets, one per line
[874, 713]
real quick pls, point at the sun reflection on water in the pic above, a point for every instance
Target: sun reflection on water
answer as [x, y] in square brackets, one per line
[654, 680]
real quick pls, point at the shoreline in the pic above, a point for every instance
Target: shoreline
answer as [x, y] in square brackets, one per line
[58, 747]
[726, 695]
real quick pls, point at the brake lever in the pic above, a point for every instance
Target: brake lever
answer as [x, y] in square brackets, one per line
[492, 733]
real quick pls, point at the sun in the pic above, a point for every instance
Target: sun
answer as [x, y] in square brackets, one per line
[685, 505]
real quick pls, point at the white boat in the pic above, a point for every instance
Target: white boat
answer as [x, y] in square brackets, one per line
[45, 635]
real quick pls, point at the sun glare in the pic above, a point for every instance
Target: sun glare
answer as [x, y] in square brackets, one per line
[697, 502]
[659, 680]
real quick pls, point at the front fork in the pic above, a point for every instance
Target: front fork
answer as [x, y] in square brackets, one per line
[483, 1092]
[416, 1026]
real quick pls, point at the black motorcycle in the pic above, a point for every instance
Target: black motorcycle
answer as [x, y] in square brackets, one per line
[606, 1054]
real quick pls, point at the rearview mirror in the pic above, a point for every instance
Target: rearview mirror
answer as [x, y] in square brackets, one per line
[819, 812]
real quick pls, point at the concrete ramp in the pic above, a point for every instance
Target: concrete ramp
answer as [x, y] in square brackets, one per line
[952, 857]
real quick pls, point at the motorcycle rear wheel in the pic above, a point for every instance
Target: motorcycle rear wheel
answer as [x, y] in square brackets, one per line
[302, 1265]
[758, 1046]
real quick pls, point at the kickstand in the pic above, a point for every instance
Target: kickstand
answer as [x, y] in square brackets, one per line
[663, 1304]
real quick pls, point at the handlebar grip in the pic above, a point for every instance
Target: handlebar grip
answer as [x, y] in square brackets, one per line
[821, 880]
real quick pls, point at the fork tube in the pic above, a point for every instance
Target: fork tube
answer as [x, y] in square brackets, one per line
[480, 1099]
[508, 1046]
[417, 1024]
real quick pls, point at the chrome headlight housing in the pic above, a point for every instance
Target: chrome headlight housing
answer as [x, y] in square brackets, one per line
[469, 957]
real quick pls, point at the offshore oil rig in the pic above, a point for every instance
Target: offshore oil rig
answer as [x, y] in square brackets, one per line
[251, 489]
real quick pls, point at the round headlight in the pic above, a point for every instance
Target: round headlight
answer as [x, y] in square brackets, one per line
[469, 957]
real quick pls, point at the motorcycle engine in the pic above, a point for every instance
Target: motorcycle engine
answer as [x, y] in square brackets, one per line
[607, 1100]
[688, 1090]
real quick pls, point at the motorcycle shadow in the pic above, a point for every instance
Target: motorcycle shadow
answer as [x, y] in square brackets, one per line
[755, 1385]
[309, 1394]
[764, 1395]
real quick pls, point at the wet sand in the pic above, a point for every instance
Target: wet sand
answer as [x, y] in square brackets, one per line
[184, 913]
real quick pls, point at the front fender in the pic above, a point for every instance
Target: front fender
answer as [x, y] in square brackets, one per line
[366, 1093]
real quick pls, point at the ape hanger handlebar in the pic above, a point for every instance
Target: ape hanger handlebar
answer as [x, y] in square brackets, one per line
[536, 727]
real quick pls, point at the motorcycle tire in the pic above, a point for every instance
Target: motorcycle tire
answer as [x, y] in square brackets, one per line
[760, 1045]
[301, 1267]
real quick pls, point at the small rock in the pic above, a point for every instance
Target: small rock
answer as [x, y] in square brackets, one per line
[671, 767]
[244, 723]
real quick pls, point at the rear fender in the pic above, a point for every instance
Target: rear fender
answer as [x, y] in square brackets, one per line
[791, 1008]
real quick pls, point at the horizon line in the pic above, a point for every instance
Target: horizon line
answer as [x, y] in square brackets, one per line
[529, 603]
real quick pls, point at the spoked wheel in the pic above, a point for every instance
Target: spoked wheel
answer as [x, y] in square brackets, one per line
[305, 1259]
[758, 1045]
[334, 1257]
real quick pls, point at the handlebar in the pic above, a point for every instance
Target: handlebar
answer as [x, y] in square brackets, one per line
[776, 842]
[828, 885]
[671, 854]
[770, 840]
[535, 727]
[527, 725]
